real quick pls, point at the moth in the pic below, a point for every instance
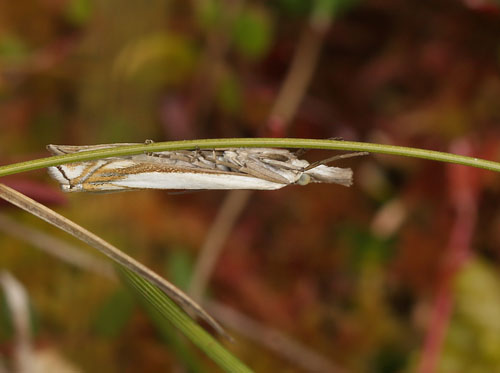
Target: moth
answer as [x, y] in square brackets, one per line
[232, 168]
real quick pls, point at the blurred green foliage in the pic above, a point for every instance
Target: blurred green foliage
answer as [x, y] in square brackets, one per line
[229, 94]
[114, 314]
[13, 50]
[252, 32]
[473, 339]
[7, 330]
[179, 267]
[209, 13]
[321, 7]
[79, 12]
[6, 327]
[367, 248]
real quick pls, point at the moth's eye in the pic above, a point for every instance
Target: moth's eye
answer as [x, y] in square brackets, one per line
[304, 179]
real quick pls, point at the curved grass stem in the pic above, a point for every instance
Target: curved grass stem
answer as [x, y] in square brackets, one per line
[251, 143]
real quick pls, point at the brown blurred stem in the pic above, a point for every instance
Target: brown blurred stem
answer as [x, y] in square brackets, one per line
[298, 78]
[291, 94]
[226, 218]
[272, 339]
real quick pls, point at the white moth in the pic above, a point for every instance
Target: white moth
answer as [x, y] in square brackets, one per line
[233, 168]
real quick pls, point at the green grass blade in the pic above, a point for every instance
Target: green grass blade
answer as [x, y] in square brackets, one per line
[154, 297]
[250, 142]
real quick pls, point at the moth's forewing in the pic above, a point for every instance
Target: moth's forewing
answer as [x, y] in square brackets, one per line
[254, 168]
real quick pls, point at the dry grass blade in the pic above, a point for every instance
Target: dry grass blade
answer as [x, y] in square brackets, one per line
[50, 216]
[274, 340]
[226, 218]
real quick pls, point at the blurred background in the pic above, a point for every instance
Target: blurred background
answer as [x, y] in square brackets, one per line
[398, 273]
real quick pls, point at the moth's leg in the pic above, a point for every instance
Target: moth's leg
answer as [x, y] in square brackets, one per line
[202, 159]
[148, 142]
[253, 169]
[198, 156]
[282, 156]
[300, 152]
[334, 158]
[229, 165]
[215, 158]
[253, 165]
[180, 157]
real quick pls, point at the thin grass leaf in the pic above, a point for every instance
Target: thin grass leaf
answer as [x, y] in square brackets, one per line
[153, 297]
[250, 142]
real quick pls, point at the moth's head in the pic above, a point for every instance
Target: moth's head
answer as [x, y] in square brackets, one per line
[304, 179]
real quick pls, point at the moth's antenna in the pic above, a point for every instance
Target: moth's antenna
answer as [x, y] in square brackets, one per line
[335, 158]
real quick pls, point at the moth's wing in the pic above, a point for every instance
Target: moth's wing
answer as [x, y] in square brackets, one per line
[69, 149]
[251, 162]
[288, 165]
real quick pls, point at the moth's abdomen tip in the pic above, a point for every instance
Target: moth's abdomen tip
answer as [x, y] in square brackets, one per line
[53, 149]
[57, 175]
